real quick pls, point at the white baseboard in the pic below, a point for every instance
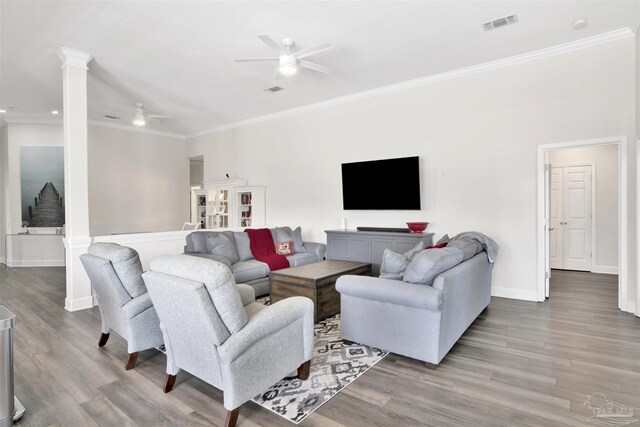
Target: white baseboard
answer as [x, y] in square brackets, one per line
[521, 294]
[78, 304]
[3, 260]
[605, 269]
[35, 263]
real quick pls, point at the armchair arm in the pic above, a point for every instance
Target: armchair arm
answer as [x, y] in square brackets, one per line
[316, 248]
[137, 305]
[391, 291]
[266, 323]
[247, 294]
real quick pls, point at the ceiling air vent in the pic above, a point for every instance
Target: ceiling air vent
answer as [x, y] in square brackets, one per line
[274, 89]
[109, 116]
[501, 22]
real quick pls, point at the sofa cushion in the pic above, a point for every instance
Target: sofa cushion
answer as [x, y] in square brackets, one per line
[394, 264]
[213, 257]
[443, 239]
[244, 271]
[222, 246]
[197, 242]
[296, 260]
[428, 264]
[241, 239]
[468, 247]
[125, 262]
[283, 234]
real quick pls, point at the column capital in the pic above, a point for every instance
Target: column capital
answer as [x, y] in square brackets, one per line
[73, 57]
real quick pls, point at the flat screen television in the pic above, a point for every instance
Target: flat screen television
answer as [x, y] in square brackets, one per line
[390, 184]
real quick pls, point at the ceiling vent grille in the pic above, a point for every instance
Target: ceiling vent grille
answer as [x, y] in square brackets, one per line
[109, 116]
[501, 22]
[274, 89]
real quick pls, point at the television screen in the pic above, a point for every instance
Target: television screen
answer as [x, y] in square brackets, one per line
[391, 184]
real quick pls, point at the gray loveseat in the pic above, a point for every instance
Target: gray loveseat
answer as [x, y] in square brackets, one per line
[421, 321]
[245, 268]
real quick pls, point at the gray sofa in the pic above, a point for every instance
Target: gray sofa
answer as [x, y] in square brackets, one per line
[246, 269]
[416, 320]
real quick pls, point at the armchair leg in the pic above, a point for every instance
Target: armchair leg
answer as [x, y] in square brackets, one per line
[232, 418]
[103, 339]
[432, 366]
[133, 357]
[304, 369]
[169, 381]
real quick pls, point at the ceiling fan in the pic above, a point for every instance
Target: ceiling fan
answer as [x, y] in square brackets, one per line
[140, 118]
[289, 61]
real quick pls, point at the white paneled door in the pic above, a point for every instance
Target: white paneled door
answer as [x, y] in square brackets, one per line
[570, 218]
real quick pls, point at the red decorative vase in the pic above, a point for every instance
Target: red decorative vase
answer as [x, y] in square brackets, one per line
[417, 227]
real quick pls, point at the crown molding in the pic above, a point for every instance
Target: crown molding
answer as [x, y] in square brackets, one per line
[448, 75]
[137, 129]
[74, 57]
[23, 121]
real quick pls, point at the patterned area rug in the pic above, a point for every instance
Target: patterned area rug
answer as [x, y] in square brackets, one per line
[333, 367]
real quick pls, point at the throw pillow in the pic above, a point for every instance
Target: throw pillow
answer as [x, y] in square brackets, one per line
[394, 264]
[243, 245]
[428, 264]
[222, 246]
[284, 248]
[443, 239]
[437, 246]
[284, 233]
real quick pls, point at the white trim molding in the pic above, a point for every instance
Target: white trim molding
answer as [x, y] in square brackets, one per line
[587, 42]
[520, 294]
[35, 263]
[605, 269]
[74, 57]
[78, 304]
[621, 142]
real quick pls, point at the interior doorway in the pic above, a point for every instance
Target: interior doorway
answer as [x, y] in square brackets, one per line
[196, 176]
[581, 210]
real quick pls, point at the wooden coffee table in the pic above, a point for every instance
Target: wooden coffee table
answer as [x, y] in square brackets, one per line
[316, 281]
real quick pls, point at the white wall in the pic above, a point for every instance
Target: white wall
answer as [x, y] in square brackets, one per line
[605, 161]
[138, 182]
[476, 136]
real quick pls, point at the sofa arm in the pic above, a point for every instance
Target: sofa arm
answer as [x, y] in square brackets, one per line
[391, 291]
[266, 323]
[315, 248]
[186, 249]
[137, 305]
[247, 294]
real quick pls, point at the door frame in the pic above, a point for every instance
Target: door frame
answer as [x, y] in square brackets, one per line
[621, 142]
[592, 165]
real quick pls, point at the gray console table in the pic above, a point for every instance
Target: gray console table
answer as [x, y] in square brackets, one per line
[368, 246]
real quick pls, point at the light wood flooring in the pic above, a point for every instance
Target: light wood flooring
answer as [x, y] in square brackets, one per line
[519, 364]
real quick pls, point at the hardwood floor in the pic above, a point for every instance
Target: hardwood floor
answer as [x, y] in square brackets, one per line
[519, 364]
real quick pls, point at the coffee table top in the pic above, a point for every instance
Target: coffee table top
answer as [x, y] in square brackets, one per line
[322, 269]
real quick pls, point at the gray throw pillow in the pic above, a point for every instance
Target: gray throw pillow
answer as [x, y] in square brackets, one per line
[468, 247]
[243, 245]
[284, 234]
[428, 264]
[394, 264]
[443, 239]
[222, 246]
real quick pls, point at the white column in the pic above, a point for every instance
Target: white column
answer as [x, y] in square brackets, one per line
[76, 188]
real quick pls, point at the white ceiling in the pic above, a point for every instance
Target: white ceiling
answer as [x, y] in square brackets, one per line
[177, 57]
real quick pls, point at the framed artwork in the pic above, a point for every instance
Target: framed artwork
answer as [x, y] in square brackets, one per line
[42, 186]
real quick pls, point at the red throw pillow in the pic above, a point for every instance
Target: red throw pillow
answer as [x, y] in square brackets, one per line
[439, 245]
[284, 248]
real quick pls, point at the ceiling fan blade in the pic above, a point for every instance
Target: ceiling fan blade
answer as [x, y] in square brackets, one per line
[269, 42]
[303, 53]
[278, 75]
[313, 66]
[159, 116]
[255, 59]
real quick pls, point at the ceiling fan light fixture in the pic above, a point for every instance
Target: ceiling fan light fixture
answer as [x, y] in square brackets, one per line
[288, 65]
[288, 69]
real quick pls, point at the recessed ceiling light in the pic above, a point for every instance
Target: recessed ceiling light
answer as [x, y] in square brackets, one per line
[2, 111]
[580, 23]
[55, 112]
